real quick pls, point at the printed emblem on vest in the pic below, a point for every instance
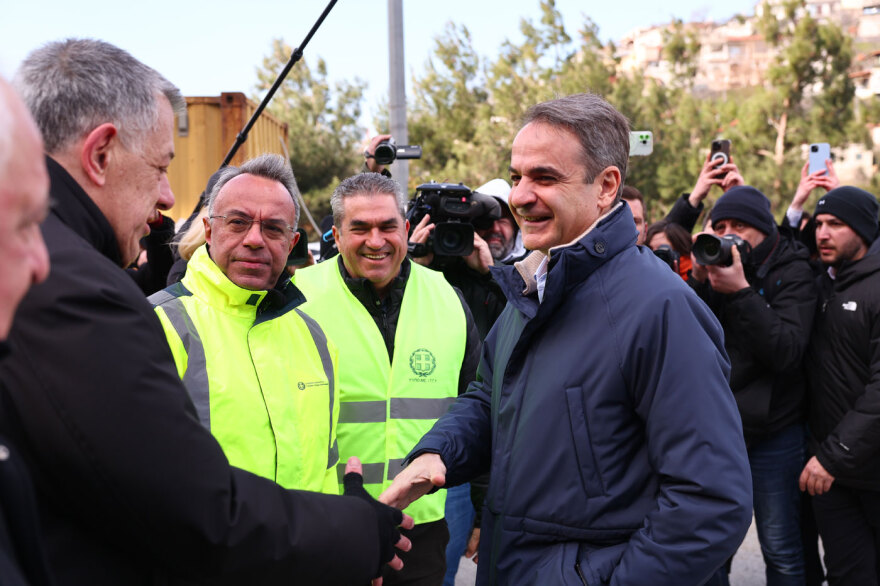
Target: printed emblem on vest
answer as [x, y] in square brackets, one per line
[422, 362]
[850, 306]
[319, 383]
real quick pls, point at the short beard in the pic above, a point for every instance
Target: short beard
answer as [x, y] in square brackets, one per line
[847, 253]
[500, 251]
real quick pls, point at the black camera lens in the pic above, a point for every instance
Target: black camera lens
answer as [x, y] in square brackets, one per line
[386, 152]
[814, 148]
[453, 239]
[713, 250]
[710, 250]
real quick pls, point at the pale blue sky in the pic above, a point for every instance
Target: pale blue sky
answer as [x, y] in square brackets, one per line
[208, 48]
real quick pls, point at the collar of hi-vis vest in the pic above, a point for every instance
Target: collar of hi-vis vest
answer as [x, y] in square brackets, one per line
[206, 281]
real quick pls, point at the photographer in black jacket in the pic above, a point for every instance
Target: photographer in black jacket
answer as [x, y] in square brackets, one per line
[765, 302]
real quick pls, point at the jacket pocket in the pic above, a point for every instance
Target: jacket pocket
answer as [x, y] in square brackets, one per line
[583, 445]
[596, 566]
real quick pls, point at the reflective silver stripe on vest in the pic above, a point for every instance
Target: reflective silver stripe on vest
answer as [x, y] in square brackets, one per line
[408, 408]
[320, 341]
[160, 297]
[373, 473]
[395, 467]
[362, 412]
[411, 408]
[195, 379]
[334, 454]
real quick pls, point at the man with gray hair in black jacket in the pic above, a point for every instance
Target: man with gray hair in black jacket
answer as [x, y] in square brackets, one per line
[131, 488]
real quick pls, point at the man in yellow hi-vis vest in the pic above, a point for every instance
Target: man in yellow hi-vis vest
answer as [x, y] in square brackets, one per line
[260, 372]
[407, 347]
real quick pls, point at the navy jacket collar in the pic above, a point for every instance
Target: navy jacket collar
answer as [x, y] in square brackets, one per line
[570, 265]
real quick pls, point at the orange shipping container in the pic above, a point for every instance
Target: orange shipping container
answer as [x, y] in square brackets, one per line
[206, 133]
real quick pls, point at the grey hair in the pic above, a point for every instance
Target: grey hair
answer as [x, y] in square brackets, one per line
[268, 166]
[7, 126]
[73, 86]
[602, 131]
[368, 184]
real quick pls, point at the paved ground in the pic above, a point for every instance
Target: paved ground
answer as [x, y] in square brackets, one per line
[748, 565]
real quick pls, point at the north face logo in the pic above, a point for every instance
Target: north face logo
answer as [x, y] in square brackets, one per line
[850, 306]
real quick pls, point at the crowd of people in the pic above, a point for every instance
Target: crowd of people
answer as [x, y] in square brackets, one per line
[558, 403]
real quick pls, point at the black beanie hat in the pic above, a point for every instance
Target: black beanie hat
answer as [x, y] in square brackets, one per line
[855, 207]
[747, 204]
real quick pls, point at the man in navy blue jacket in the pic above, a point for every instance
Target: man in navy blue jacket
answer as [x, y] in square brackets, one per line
[602, 406]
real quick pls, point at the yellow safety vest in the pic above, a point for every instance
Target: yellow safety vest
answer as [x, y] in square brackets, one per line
[386, 407]
[264, 384]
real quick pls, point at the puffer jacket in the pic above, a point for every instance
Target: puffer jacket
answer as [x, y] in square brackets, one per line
[614, 458]
[844, 374]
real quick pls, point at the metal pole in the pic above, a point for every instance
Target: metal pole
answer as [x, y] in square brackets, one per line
[397, 88]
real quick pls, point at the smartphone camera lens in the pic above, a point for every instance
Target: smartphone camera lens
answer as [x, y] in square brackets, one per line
[814, 149]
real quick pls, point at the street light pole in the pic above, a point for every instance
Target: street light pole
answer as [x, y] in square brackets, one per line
[397, 88]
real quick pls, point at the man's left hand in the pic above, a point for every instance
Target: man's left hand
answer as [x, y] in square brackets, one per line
[420, 236]
[815, 479]
[481, 258]
[727, 280]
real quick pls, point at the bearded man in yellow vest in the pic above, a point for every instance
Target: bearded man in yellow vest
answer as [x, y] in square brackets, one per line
[260, 372]
[407, 347]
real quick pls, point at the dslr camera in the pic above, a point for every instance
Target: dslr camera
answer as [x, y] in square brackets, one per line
[668, 255]
[455, 212]
[717, 250]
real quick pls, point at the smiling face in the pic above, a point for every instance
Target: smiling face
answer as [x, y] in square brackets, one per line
[252, 258]
[551, 200]
[372, 238]
[837, 242]
[137, 184]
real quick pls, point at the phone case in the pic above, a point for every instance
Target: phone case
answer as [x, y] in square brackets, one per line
[818, 153]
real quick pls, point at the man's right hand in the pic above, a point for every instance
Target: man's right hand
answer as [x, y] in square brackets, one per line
[810, 181]
[388, 519]
[415, 481]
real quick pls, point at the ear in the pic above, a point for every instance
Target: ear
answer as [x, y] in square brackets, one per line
[98, 149]
[207, 224]
[406, 226]
[609, 185]
[293, 242]
[335, 234]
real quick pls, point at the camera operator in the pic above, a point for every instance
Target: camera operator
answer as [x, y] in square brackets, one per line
[765, 301]
[499, 243]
